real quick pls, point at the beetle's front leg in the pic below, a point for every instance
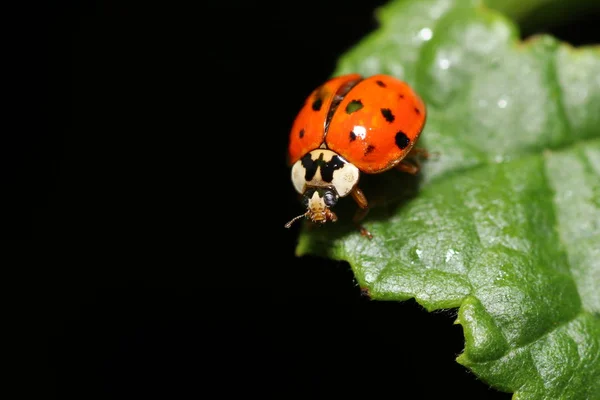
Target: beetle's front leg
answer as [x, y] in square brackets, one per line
[361, 212]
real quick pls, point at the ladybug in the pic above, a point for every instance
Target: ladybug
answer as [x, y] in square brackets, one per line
[350, 125]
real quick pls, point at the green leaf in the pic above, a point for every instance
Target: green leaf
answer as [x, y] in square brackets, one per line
[504, 221]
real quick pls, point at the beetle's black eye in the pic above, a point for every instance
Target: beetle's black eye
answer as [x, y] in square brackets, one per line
[330, 198]
[305, 200]
[306, 196]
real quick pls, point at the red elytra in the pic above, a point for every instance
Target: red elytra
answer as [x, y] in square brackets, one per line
[372, 122]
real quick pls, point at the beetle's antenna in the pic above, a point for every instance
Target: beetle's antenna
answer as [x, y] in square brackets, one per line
[295, 219]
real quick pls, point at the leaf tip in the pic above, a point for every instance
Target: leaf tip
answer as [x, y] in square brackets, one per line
[483, 340]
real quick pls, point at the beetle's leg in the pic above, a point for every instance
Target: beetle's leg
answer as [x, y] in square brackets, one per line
[418, 152]
[361, 212]
[408, 167]
[412, 162]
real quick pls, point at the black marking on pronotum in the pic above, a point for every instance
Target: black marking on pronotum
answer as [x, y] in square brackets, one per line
[369, 149]
[352, 136]
[301, 134]
[387, 114]
[380, 83]
[354, 106]
[327, 167]
[310, 166]
[402, 140]
[316, 105]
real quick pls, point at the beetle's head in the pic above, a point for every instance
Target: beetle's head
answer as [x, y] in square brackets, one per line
[318, 202]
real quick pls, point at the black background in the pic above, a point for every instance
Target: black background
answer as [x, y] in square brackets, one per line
[157, 195]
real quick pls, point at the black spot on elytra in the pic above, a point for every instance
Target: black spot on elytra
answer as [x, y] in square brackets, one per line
[327, 167]
[301, 134]
[380, 83]
[316, 105]
[387, 114]
[402, 140]
[401, 96]
[417, 111]
[352, 136]
[369, 149]
[354, 106]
